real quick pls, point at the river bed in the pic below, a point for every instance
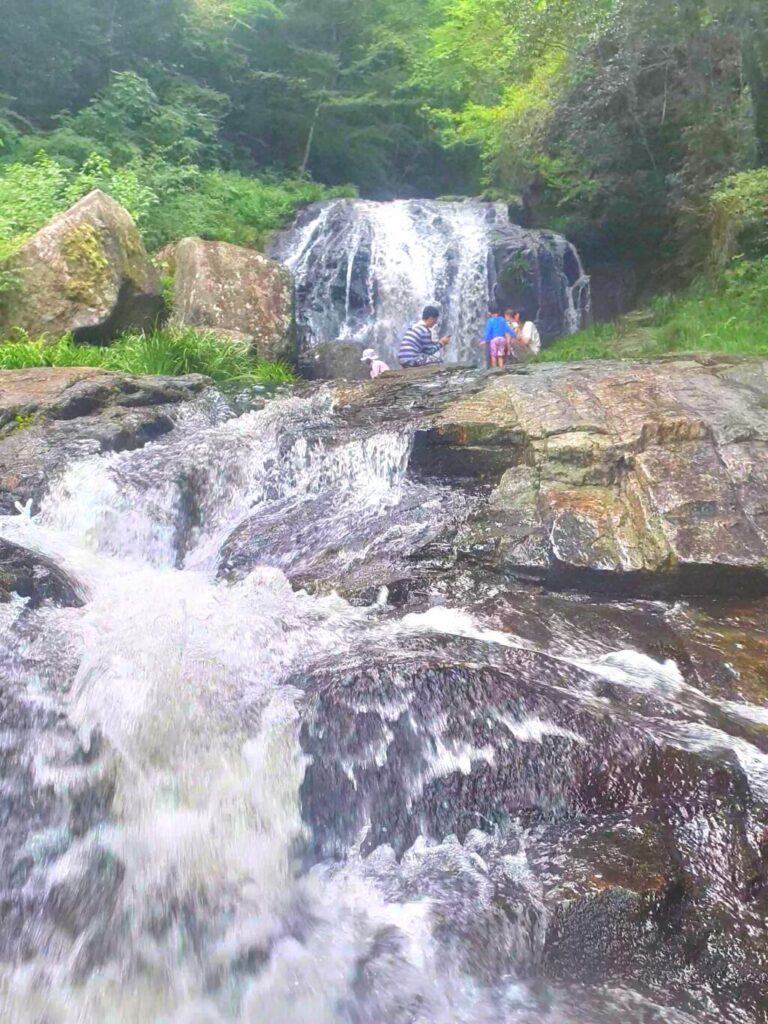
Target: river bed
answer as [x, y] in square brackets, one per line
[287, 760]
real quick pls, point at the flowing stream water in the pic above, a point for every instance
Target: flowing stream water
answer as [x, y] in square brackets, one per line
[226, 798]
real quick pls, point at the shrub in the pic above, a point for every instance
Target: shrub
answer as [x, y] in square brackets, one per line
[728, 314]
[739, 213]
[226, 206]
[221, 205]
[31, 194]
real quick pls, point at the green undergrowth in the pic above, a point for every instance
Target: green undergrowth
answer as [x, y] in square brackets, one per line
[167, 201]
[166, 352]
[727, 315]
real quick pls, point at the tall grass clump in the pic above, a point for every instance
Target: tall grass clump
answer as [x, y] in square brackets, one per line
[167, 352]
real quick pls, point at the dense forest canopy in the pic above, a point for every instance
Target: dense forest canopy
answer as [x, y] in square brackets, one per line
[637, 126]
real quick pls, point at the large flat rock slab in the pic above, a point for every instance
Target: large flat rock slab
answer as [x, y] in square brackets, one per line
[52, 416]
[649, 476]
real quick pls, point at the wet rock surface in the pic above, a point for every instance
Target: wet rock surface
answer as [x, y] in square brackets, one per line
[87, 272]
[528, 269]
[50, 417]
[54, 786]
[643, 477]
[34, 577]
[643, 858]
[495, 799]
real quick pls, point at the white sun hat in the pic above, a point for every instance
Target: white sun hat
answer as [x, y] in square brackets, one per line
[369, 353]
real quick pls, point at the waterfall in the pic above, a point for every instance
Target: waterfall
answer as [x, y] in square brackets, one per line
[364, 270]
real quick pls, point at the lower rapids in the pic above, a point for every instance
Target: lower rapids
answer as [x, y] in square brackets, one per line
[273, 752]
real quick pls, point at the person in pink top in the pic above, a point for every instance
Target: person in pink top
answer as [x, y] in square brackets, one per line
[377, 366]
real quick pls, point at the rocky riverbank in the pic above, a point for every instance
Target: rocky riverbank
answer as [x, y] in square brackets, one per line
[646, 477]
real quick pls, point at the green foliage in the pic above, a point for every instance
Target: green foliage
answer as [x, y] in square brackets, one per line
[226, 206]
[728, 315]
[30, 194]
[613, 120]
[323, 87]
[24, 422]
[222, 205]
[739, 212]
[129, 120]
[172, 352]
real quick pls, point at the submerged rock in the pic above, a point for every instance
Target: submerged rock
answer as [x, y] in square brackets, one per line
[87, 272]
[35, 577]
[52, 416]
[236, 293]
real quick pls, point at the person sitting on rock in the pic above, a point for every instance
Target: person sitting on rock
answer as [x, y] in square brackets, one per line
[418, 345]
[527, 341]
[497, 336]
[529, 336]
[375, 365]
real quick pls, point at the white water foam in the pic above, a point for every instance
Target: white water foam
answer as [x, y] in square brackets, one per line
[190, 686]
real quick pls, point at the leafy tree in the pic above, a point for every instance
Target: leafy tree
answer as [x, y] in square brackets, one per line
[614, 120]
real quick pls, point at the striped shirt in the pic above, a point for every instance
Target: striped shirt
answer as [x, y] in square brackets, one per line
[417, 342]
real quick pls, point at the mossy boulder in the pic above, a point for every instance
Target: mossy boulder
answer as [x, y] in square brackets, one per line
[87, 272]
[236, 293]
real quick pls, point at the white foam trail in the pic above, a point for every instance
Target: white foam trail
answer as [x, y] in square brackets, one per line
[534, 730]
[457, 622]
[134, 504]
[632, 668]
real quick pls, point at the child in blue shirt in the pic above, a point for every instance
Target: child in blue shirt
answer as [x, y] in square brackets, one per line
[498, 334]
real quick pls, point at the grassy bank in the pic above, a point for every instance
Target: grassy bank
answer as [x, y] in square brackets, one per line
[729, 314]
[171, 352]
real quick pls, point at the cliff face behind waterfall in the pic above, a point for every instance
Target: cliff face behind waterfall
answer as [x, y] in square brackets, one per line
[363, 270]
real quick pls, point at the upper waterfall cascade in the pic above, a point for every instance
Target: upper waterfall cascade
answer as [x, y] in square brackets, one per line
[365, 269]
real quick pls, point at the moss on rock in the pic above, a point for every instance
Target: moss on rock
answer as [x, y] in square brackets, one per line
[86, 272]
[87, 266]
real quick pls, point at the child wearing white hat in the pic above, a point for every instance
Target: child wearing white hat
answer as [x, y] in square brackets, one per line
[377, 366]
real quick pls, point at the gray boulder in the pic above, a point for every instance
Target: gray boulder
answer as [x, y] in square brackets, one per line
[87, 272]
[334, 360]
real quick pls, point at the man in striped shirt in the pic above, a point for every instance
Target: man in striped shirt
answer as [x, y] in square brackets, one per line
[418, 346]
